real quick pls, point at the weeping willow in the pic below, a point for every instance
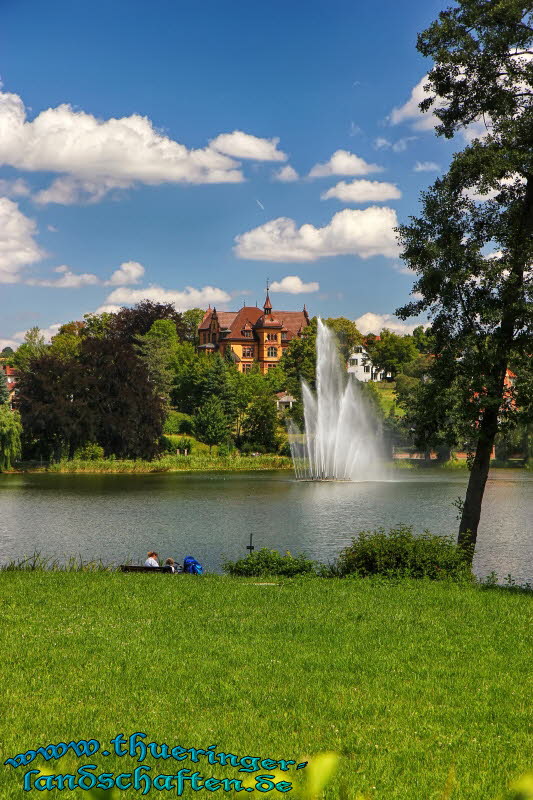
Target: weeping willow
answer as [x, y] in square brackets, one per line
[10, 431]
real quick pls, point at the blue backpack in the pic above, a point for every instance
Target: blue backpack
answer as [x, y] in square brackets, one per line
[192, 566]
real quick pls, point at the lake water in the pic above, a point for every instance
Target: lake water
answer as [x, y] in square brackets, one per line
[211, 515]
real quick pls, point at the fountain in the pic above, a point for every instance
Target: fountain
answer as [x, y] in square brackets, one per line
[341, 440]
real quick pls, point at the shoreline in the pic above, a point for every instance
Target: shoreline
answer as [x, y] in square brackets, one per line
[225, 464]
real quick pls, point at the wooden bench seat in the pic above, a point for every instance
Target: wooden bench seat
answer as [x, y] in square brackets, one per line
[137, 568]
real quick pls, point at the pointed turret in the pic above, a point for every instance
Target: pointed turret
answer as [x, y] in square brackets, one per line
[267, 308]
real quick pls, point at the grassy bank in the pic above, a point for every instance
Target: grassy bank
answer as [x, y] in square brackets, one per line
[404, 680]
[201, 462]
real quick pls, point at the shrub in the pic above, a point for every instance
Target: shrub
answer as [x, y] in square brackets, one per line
[176, 422]
[269, 562]
[402, 553]
[89, 452]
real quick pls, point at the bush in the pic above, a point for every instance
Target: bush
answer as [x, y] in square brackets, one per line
[176, 422]
[89, 452]
[401, 553]
[266, 562]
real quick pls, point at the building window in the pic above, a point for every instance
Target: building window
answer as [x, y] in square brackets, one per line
[247, 334]
[272, 366]
[272, 337]
[358, 349]
[284, 334]
[272, 352]
[367, 369]
[247, 352]
[246, 367]
[354, 362]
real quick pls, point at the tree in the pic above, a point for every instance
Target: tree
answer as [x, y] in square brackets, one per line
[299, 359]
[131, 322]
[157, 350]
[423, 340]
[347, 333]
[10, 433]
[216, 384]
[33, 346]
[260, 425]
[480, 306]
[211, 424]
[4, 391]
[126, 413]
[67, 341]
[191, 320]
[391, 352]
[53, 406]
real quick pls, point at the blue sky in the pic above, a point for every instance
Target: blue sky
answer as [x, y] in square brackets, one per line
[141, 146]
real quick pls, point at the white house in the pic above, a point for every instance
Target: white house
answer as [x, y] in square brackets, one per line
[360, 365]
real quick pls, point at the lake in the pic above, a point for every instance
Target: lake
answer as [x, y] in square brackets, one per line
[211, 515]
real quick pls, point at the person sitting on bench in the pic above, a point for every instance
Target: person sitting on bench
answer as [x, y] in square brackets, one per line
[151, 561]
[170, 565]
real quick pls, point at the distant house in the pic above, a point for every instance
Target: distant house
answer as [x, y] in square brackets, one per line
[284, 401]
[251, 335]
[361, 367]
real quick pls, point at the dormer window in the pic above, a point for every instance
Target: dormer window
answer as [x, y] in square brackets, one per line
[247, 334]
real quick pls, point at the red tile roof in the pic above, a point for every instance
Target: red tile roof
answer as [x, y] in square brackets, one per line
[246, 317]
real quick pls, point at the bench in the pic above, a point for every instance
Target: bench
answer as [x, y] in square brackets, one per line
[136, 568]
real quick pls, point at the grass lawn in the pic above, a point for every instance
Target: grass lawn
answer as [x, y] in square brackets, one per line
[388, 398]
[404, 680]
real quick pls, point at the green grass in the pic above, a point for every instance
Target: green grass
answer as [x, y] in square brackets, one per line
[191, 463]
[388, 398]
[404, 679]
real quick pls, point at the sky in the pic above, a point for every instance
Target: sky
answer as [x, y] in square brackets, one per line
[187, 152]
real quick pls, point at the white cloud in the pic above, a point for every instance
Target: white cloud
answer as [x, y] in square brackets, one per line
[399, 146]
[363, 191]
[128, 272]
[381, 143]
[14, 188]
[426, 166]
[52, 228]
[410, 111]
[102, 154]
[67, 279]
[374, 323]
[183, 300]
[363, 233]
[342, 162]
[285, 174]
[292, 284]
[68, 191]
[18, 248]
[426, 121]
[244, 145]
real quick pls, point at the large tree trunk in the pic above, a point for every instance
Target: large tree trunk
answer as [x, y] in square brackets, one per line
[476, 484]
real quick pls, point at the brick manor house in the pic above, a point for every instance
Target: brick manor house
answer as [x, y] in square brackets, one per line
[251, 334]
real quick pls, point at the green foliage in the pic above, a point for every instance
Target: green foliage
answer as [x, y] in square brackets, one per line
[89, 452]
[299, 359]
[481, 307]
[66, 343]
[32, 347]
[264, 562]
[211, 424]
[191, 319]
[391, 352]
[401, 553]
[259, 428]
[348, 335]
[4, 391]
[10, 437]
[157, 350]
